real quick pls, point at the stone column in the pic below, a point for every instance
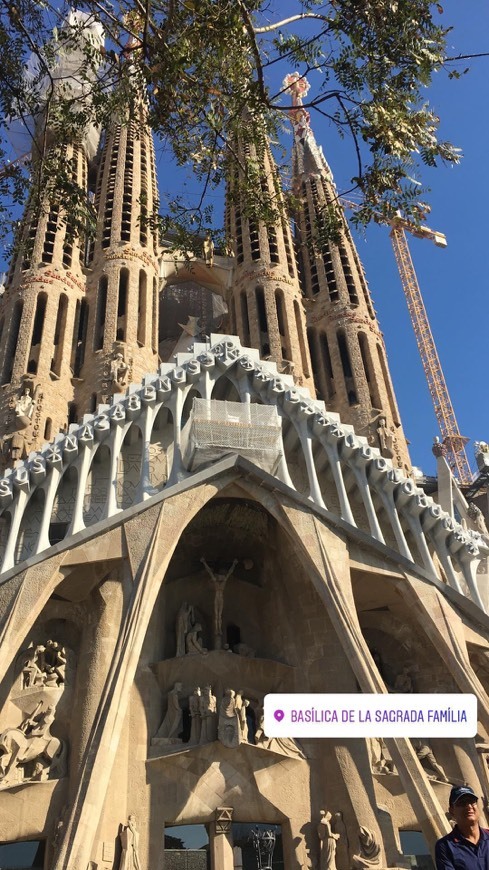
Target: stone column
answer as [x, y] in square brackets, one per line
[222, 857]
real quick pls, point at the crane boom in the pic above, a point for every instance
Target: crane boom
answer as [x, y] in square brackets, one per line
[452, 439]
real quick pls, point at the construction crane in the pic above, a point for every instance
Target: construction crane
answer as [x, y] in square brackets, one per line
[452, 440]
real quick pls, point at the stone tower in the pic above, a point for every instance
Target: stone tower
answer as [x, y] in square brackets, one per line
[120, 335]
[266, 302]
[39, 321]
[347, 348]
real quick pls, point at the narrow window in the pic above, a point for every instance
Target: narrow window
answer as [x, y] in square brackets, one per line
[79, 337]
[59, 334]
[301, 334]
[142, 302]
[48, 428]
[261, 309]
[245, 322]
[12, 339]
[98, 338]
[122, 304]
[347, 369]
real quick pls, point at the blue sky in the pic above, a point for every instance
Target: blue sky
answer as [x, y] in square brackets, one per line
[454, 281]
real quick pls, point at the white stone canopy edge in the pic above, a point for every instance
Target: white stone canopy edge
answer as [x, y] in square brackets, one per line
[408, 508]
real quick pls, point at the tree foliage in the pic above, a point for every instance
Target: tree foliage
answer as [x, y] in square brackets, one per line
[204, 63]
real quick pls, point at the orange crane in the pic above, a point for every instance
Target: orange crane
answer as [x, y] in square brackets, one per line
[453, 441]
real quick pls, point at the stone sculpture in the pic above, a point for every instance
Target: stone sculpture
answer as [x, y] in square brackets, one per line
[129, 837]
[193, 641]
[171, 727]
[428, 761]
[218, 581]
[328, 841]
[369, 854]
[477, 518]
[241, 704]
[208, 251]
[24, 406]
[194, 707]
[118, 371]
[208, 716]
[44, 665]
[379, 763]
[229, 731]
[185, 620]
[386, 441]
[404, 682]
[32, 742]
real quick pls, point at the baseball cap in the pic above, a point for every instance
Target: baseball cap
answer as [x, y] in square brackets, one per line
[460, 791]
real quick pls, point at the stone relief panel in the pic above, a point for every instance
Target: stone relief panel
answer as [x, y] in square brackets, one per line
[30, 752]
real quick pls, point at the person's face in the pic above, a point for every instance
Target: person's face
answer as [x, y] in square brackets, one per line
[465, 810]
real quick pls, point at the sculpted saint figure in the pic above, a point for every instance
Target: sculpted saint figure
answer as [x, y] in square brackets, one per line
[195, 715]
[129, 838]
[218, 581]
[208, 714]
[229, 730]
[328, 841]
[185, 618]
[118, 370]
[24, 405]
[172, 723]
[208, 251]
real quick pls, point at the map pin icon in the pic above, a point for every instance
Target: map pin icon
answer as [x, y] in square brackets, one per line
[279, 715]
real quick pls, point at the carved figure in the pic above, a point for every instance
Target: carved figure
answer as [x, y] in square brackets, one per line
[44, 665]
[15, 445]
[208, 251]
[208, 715]
[477, 518]
[219, 582]
[31, 672]
[32, 741]
[425, 754]
[172, 722]
[118, 370]
[193, 642]
[369, 850]
[185, 618]
[195, 715]
[24, 406]
[328, 841]
[228, 729]
[241, 704]
[129, 837]
[404, 681]
[386, 441]
[379, 763]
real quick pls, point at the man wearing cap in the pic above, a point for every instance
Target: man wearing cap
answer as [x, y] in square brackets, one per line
[467, 846]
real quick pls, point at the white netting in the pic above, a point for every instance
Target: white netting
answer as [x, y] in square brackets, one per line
[232, 427]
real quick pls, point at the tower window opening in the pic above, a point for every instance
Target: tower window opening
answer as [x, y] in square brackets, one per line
[350, 281]
[329, 272]
[122, 304]
[254, 240]
[59, 334]
[98, 338]
[326, 363]
[72, 413]
[48, 429]
[245, 322]
[347, 369]
[93, 403]
[50, 235]
[239, 236]
[368, 369]
[109, 197]
[388, 386]
[154, 336]
[288, 247]
[143, 216]
[128, 186]
[301, 334]
[79, 337]
[142, 306]
[279, 301]
[261, 309]
[11, 344]
[37, 331]
[273, 245]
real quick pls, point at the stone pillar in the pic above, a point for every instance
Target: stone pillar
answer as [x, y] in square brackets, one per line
[222, 857]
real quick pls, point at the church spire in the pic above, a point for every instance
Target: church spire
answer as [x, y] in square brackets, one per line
[347, 348]
[266, 305]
